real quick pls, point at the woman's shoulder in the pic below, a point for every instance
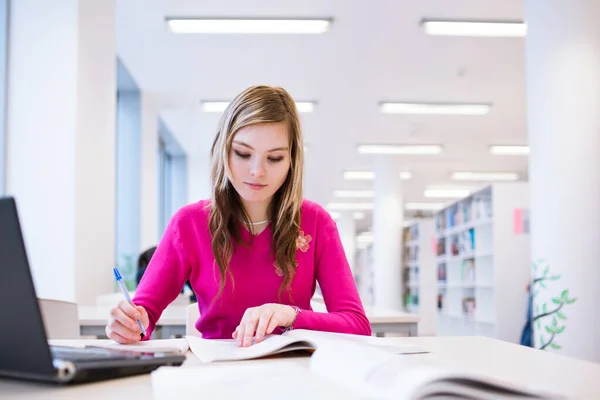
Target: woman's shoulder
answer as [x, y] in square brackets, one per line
[312, 211]
[196, 212]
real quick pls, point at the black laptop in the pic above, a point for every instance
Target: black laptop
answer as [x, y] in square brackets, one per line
[24, 349]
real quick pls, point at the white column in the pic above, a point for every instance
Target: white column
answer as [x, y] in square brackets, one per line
[347, 228]
[149, 173]
[563, 99]
[388, 214]
[198, 173]
[61, 142]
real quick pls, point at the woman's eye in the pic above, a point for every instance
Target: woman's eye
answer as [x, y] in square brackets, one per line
[242, 155]
[275, 159]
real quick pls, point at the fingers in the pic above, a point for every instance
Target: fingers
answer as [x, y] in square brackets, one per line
[144, 316]
[263, 324]
[120, 333]
[130, 310]
[126, 320]
[122, 327]
[249, 329]
[246, 328]
[273, 323]
[120, 338]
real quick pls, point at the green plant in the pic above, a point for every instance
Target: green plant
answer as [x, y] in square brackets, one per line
[542, 314]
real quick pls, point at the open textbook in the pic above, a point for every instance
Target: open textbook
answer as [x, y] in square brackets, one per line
[373, 373]
[295, 340]
[341, 367]
[212, 350]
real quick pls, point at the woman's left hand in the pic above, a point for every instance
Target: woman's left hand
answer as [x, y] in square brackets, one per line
[262, 320]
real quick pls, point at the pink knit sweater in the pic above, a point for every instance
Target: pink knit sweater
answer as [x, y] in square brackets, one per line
[185, 252]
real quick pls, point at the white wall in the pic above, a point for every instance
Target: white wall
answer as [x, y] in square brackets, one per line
[61, 140]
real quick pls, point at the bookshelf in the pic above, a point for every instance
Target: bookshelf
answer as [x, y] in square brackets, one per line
[419, 274]
[483, 264]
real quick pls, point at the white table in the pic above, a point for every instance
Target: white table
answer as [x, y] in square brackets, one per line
[382, 320]
[92, 321]
[513, 363]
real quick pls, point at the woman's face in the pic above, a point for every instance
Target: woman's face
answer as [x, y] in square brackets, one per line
[259, 161]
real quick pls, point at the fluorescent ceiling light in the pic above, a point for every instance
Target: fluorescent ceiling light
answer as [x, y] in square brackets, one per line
[399, 149]
[220, 106]
[423, 206]
[305, 106]
[435, 108]
[249, 26]
[361, 194]
[446, 193]
[355, 215]
[370, 175]
[475, 28]
[334, 214]
[349, 206]
[364, 237]
[358, 215]
[509, 150]
[485, 176]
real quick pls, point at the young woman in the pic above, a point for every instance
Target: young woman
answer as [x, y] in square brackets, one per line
[255, 251]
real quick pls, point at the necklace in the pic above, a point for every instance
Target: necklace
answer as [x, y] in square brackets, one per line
[259, 222]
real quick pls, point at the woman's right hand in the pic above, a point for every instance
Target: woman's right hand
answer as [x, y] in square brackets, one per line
[122, 326]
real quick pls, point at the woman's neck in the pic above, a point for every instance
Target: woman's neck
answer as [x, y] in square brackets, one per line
[257, 212]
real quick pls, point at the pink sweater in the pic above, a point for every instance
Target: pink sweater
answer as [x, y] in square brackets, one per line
[185, 252]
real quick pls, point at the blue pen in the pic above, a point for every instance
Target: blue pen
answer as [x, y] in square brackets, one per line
[126, 293]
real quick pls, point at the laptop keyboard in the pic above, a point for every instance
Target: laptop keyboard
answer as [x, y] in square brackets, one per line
[87, 354]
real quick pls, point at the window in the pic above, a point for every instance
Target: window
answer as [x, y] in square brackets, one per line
[128, 176]
[172, 177]
[165, 161]
[3, 67]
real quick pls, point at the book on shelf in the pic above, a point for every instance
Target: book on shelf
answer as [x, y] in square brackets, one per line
[339, 368]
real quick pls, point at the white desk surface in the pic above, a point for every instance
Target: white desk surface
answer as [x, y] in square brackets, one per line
[376, 315]
[513, 363]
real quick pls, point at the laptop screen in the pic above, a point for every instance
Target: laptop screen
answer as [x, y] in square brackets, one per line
[23, 344]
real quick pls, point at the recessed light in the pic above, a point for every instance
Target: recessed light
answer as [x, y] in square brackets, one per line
[361, 194]
[370, 175]
[434, 108]
[485, 176]
[349, 206]
[511, 150]
[423, 206]
[446, 193]
[475, 28]
[249, 26]
[399, 149]
[220, 106]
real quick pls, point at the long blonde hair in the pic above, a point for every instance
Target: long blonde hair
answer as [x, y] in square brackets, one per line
[257, 104]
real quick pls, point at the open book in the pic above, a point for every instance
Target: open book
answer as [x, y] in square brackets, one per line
[377, 374]
[228, 350]
[340, 367]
